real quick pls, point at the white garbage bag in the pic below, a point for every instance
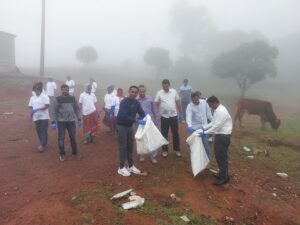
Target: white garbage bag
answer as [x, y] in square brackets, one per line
[148, 137]
[199, 158]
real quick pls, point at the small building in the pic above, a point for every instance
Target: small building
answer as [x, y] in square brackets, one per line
[7, 53]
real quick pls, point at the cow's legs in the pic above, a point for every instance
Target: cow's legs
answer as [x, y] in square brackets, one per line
[239, 115]
[263, 120]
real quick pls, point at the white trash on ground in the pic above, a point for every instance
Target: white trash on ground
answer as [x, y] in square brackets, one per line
[185, 218]
[282, 175]
[199, 158]
[250, 156]
[121, 194]
[148, 137]
[246, 149]
[133, 204]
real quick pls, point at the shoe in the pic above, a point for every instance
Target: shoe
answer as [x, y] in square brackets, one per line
[124, 172]
[177, 153]
[62, 158]
[164, 154]
[154, 161]
[41, 148]
[210, 139]
[134, 170]
[142, 158]
[76, 156]
[221, 181]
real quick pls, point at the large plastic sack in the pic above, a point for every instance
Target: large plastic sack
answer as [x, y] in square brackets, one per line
[199, 158]
[148, 137]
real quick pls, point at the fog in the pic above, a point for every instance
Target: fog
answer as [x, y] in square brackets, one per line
[122, 30]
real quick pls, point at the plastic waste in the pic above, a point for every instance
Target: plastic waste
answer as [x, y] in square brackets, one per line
[121, 194]
[250, 156]
[246, 149]
[133, 204]
[134, 197]
[185, 218]
[282, 175]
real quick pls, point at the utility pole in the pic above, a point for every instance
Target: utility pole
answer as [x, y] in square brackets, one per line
[42, 56]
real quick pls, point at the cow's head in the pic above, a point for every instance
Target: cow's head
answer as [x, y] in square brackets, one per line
[275, 124]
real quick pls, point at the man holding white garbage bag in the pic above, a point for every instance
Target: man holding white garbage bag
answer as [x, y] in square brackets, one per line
[197, 114]
[167, 100]
[149, 107]
[221, 126]
[126, 117]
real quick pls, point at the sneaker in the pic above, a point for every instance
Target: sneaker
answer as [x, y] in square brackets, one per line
[40, 148]
[76, 156]
[142, 158]
[134, 170]
[124, 172]
[177, 153]
[62, 158]
[164, 154]
[154, 161]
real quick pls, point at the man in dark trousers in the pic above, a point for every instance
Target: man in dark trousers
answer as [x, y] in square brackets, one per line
[221, 126]
[66, 110]
[126, 117]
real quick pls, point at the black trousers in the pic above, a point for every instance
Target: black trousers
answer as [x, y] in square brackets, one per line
[71, 128]
[41, 127]
[222, 142]
[166, 123]
[126, 140]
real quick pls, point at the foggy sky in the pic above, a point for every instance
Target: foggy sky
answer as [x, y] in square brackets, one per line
[123, 29]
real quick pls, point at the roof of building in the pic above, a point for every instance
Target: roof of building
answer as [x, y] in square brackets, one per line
[7, 34]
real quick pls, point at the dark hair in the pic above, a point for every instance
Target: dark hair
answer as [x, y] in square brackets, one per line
[142, 86]
[37, 86]
[64, 86]
[212, 99]
[165, 81]
[195, 94]
[133, 86]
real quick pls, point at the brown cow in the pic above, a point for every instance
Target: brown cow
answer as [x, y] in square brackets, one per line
[257, 107]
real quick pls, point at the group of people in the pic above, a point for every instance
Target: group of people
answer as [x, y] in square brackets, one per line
[122, 114]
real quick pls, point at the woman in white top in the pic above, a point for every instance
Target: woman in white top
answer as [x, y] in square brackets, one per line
[88, 105]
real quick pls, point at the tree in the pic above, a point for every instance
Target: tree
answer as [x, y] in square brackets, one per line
[194, 26]
[87, 55]
[159, 58]
[248, 64]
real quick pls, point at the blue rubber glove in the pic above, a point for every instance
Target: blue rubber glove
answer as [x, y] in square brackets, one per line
[156, 121]
[142, 122]
[200, 132]
[190, 130]
[34, 111]
[53, 125]
[79, 123]
[180, 118]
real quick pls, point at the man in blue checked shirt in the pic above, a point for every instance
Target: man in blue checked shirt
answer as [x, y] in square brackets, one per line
[185, 96]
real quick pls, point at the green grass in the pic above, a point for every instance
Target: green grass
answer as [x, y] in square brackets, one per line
[79, 198]
[85, 220]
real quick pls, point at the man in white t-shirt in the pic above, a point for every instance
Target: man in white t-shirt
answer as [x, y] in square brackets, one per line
[39, 104]
[87, 102]
[109, 108]
[94, 86]
[168, 102]
[51, 92]
[71, 84]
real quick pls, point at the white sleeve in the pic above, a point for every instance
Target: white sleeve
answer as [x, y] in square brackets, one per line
[80, 99]
[30, 102]
[95, 98]
[189, 115]
[46, 100]
[157, 97]
[176, 96]
[217, 122]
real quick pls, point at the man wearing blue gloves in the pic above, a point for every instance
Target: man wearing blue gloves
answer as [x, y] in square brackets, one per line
[126, 117]
[149, 107]
[65, 111]
[197, 114]
[221, 126]
[39, 104]
[168, 102]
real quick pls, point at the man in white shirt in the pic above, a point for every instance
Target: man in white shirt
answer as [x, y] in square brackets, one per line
[71, 84]
[198, 113]
[109, 109]
[51, 92]
[221, 126]
[167, 100]
[87, 102]
[39, 104]
[93, 85]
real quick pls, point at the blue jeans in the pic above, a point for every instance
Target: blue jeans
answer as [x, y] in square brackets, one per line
[184, 105]
[41, 127]
[206, 144]
[71, 128]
